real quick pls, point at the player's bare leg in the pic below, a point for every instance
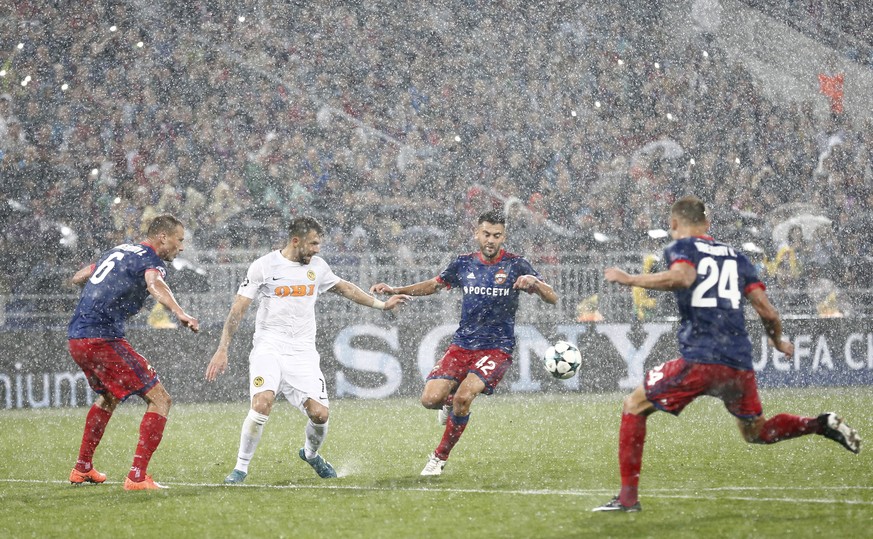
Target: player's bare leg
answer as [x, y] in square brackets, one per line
[761, 430]
[436, 391]
[95, 425]
[467, 391]
[438, 395]
[151, 431]
[250, 436]
[632, 436]
[316, 432]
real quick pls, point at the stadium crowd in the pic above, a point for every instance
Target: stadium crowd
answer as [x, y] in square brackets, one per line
[395, 123]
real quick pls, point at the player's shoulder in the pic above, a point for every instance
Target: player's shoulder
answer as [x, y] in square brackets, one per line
[681, 243]
[318, 262]
[515, 260]
[144, 256]
[267, 258]
[464, 260]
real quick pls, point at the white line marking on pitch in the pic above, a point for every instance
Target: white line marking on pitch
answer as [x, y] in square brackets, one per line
[661, 493]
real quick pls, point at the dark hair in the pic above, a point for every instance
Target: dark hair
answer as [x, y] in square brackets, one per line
[494, 217]
[163, 224]
[689, 209]
[300, 226]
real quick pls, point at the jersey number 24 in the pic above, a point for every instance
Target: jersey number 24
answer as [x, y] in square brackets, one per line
[724, 279]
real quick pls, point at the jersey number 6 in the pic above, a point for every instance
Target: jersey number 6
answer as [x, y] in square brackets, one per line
[107, 265]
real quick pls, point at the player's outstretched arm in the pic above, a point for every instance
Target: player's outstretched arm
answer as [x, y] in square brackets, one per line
[532, 285]
[159, 290]
[353, 292]
[770, 319]
[218, 363]
[423, 288]
[679, 276]
[81, 277]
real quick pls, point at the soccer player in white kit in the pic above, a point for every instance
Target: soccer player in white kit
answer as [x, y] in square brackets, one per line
[283, 359]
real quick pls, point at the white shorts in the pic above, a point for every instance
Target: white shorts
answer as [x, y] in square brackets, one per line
[295, 374]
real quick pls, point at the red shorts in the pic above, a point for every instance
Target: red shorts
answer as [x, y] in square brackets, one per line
[673, 385]
[112, 366]
[489, 365]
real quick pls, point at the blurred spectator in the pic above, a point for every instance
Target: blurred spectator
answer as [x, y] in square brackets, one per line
[372, 115]
[787, 266]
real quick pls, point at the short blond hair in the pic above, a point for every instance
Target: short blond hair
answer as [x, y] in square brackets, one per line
[689, 209]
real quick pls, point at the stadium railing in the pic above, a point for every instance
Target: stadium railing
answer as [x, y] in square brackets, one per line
[576, 280]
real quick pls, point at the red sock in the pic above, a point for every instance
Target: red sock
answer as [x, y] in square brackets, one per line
[95, 425]
[449, 399]
[631, 438]
[785, 426]
[151, 430]
[454, 428]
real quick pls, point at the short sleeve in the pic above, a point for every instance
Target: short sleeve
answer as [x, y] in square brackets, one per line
[449, 276]
[253, 280]
[678, 252]
[525, 268]
[748, 274]
[150, 262]
[328, 277]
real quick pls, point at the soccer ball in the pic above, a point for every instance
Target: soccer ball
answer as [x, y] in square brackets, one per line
[562, 360]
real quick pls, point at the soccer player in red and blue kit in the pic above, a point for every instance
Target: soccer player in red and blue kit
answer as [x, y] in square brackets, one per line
[481, 349]
[115, 288]
[710, 281]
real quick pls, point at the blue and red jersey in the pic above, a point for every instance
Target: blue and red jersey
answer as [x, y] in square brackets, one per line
[713, 327]
[489, 304]
[115, 291]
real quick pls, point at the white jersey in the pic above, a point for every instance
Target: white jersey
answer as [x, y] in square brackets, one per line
[286, 292]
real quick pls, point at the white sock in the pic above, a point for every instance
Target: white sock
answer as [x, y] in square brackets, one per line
[252, 428]
[315, 435]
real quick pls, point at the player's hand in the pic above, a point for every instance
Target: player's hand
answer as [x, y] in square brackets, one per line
[616, 275]
[527, 283]
[786, 347]
[382, 288]
[189, 321]
[396, 301]
[217, 365]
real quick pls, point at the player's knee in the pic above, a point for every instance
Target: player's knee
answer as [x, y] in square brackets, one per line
[637, 403]
[163, 404]
[432, 401]
[462, 402]
[752, 437]
[106, 402]
[159, 400]
[319, 417]
[262, 403]
[752, 431]
[630, 405]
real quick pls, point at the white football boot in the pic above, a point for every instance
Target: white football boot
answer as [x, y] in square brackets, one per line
[434, 466]
[443, 414]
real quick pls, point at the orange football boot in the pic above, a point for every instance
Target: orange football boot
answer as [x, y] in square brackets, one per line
[146, 484]
[91, 476]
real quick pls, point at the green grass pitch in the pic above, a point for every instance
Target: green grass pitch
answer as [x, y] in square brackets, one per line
[527, 466]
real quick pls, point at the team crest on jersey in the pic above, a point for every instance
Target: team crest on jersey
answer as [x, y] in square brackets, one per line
[258, 381]
[311, 275]
[500, 277]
